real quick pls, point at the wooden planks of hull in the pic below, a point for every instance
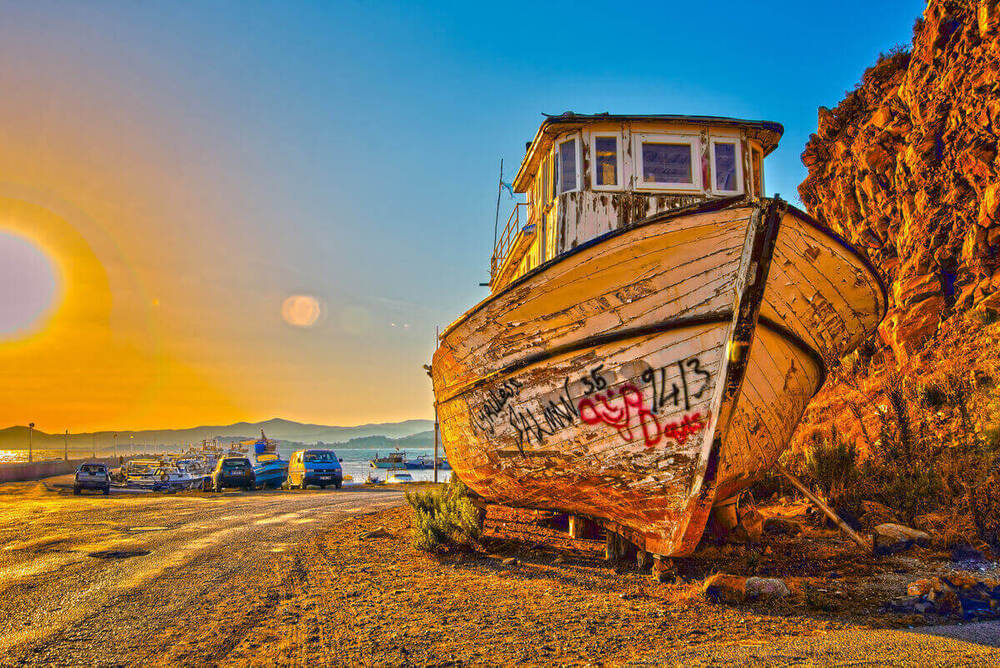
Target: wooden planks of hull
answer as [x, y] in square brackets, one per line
[820, 290]
[781, 378]
[610, 431]
[681, 268]
[592, 385]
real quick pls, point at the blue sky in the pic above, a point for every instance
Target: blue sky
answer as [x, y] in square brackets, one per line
[349, 151]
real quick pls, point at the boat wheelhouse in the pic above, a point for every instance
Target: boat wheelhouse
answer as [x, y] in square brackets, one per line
[655, 327]
[585, 176]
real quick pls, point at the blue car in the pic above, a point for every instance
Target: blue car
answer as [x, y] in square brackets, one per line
[315, 467]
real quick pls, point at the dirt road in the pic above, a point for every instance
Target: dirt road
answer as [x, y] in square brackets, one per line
[84, 578]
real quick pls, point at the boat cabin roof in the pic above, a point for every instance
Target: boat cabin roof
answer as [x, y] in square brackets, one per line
[768, 133]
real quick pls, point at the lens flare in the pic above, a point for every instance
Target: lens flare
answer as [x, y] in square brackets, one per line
[301, 310]
[28, 286]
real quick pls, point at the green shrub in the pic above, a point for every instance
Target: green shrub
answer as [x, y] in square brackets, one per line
[831, 464]
[444, 518]
[984, 506]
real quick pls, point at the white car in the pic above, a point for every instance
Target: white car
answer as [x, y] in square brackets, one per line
[92, 475]
[398, 478]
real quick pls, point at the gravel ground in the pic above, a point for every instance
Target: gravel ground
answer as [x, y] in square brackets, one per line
[94, 580]
[293, 579]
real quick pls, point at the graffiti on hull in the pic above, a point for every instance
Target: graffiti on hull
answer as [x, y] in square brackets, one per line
[630, 412]
[597, 398]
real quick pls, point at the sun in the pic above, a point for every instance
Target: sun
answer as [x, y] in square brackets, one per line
[29, 286]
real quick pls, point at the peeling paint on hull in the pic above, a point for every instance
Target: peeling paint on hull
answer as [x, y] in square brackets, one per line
[595, 384]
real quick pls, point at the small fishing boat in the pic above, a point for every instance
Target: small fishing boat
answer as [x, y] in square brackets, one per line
[655, 328]
[158, 475]
[393, 460]
[426, 462]
[269, 468]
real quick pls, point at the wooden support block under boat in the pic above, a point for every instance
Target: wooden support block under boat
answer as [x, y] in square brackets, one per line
[640, 378]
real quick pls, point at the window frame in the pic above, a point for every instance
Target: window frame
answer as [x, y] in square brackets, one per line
[617, 136]
[755, 187]
[557, 162]
[694, 143]
[725, 139]
[546, 184]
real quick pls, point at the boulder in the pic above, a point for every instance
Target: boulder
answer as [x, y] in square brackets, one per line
[929, 587]
[722, 588]
[765, 588]
[780, 526]
[893, 538]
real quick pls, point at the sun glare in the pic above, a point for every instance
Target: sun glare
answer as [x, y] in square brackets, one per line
[28, 286]
[301, 310]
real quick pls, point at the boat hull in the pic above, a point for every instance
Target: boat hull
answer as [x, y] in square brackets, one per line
[595, 385]
[401, 466]
[271, 474]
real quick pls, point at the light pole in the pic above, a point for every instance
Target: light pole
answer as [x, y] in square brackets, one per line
[31, 425]
[66, 446]
[114, 445]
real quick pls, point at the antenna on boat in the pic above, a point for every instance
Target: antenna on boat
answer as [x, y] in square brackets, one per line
[496, 218]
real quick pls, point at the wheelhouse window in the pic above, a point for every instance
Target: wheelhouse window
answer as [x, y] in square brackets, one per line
[669, 162]
[566, 160]
[606, 161]
[727, 174]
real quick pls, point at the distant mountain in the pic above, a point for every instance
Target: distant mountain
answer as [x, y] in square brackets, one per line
[16, 438]
[423, 439]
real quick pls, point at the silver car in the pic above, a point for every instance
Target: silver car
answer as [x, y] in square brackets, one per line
[92, 475]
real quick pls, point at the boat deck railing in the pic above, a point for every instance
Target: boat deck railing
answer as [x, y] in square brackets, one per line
[505, 240]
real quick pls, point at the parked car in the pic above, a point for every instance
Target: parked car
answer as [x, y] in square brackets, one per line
[92, 476]
[399, 479]
[233, 472]
[315, 467]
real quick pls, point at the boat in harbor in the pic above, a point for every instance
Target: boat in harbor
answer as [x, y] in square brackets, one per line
[158, 475]
[392, 460]
[270, 470]
[426, 462]
[654, 331]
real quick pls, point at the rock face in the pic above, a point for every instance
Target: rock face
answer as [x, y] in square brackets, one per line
[906, 167]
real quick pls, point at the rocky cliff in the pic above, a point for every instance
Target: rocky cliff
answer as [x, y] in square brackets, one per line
[907, 168]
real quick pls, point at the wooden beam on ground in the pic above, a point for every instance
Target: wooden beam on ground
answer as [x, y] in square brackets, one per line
[851, 533]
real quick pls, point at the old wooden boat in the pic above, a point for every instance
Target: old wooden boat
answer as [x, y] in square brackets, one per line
[655, 327]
